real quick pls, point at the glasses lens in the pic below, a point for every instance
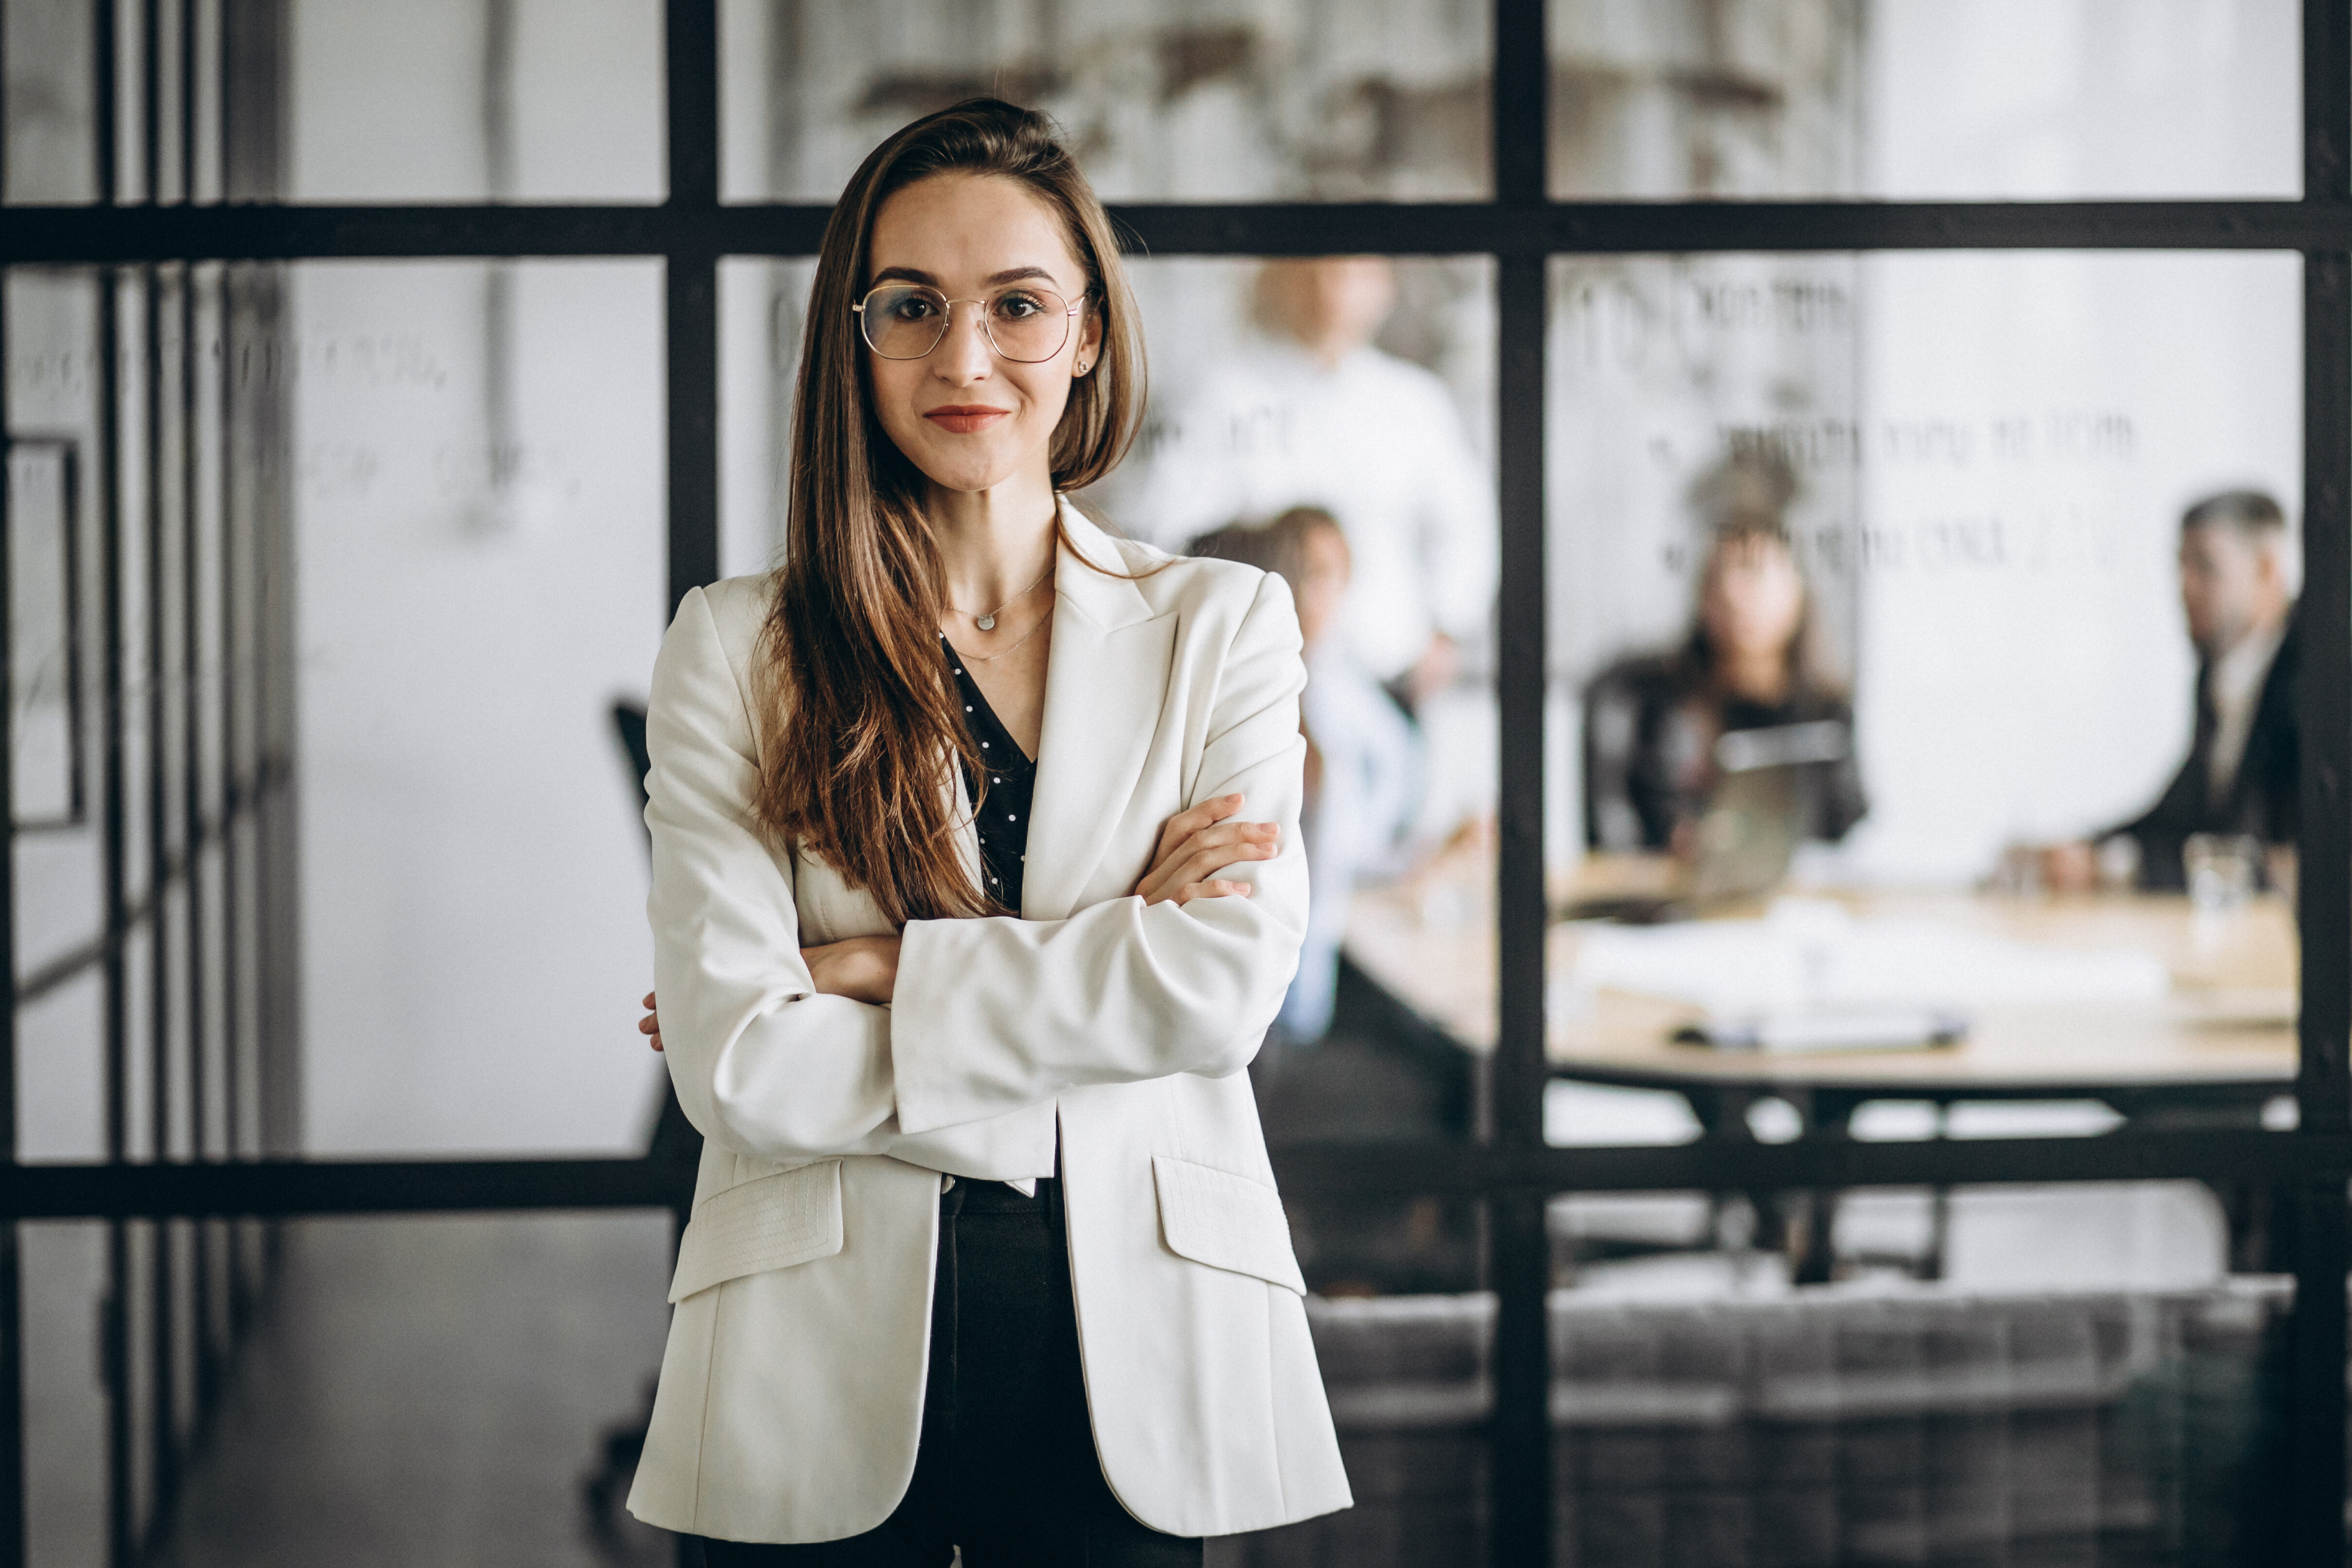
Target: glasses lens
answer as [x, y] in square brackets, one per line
[904, 321]
[1028, 325]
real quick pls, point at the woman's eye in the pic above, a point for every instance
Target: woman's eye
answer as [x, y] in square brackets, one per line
[911, 309]
[1019, 306]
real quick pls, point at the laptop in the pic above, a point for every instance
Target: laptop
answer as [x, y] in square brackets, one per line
[1754, 821]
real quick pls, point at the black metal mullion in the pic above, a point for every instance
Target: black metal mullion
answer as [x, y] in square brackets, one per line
[115, 1350]
[205, 1342]
[68, 235]
[162, 1417]
[1518, 1245]
[690, 331]
[690, 288]
[233, 1034]
[1446, 1168]
[2317, 1406]
[234, 826]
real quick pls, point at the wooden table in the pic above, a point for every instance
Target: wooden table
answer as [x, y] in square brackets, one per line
[2217, 1046]
[2228, 1024]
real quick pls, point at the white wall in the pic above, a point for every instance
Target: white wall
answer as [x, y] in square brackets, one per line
[2034, 424]
[481, 575]
[2022, 99]
[2039, 424]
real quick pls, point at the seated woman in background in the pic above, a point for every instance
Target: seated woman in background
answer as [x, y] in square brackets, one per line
[1652, 724]
[1363, 756]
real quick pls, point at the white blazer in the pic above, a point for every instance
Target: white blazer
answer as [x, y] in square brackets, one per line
[792, 1389]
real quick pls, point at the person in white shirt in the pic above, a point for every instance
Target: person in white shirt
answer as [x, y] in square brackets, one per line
[1316, 416]
[2244, 768]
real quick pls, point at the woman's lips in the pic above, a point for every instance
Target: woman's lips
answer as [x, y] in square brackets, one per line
[964, 418]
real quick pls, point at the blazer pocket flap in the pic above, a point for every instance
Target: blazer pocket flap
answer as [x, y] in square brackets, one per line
[1226, 1221]
[774, 1221]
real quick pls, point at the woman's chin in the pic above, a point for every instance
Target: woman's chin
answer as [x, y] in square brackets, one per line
[965, 473]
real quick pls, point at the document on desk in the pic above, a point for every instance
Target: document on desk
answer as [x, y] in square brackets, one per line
[1810, 957]
[1810, 1029]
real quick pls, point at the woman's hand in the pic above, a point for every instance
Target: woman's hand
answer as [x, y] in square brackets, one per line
[1199, 841]
[864, 969]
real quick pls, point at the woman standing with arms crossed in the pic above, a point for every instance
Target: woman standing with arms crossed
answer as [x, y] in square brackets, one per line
[976, 884]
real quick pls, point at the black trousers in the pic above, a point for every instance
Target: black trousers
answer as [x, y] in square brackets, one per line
[1006, 1468]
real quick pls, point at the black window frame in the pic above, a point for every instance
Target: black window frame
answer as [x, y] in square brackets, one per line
[1511, 1169]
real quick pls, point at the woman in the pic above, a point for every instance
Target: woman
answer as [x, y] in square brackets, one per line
[962, 939]
[1651, 757]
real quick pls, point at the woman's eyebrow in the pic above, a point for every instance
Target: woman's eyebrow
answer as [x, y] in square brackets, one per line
[917, 274]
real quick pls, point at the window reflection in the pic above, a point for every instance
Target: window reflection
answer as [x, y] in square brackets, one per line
[1230, 100]
[2012, 99]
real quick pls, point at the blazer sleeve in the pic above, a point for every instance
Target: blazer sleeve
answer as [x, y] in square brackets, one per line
[994, 1015]
[763, 1063]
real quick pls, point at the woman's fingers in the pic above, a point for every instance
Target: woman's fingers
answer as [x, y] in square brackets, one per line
[1197, 865]
[1185, 824]
[650, 1025]
[1217, 887]
[1236, 840]
[1209, 850]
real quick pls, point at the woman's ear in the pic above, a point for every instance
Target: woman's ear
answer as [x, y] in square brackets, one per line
[1090, 335]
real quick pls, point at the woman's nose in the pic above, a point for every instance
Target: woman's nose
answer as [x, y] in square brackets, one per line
[964, 354]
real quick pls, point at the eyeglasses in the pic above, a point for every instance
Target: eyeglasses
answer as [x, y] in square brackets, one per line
[1026, 324]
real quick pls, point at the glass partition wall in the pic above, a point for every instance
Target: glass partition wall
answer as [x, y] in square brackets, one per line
[1652, 255]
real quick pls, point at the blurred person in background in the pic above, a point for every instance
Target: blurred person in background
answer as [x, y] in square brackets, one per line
[2245, 750]
[1316, 416]
[1363, 759]
[1751, 662]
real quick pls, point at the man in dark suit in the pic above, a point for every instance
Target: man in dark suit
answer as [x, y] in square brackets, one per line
[2240, 775]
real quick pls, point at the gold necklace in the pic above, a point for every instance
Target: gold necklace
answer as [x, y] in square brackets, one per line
[987, 622]
[992, 657]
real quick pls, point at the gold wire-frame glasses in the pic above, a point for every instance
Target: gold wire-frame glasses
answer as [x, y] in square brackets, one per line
[1024, 323]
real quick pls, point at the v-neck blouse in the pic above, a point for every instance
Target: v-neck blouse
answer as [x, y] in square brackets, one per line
[1011, 779]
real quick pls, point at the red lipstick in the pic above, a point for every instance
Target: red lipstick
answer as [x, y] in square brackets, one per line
[965, 418]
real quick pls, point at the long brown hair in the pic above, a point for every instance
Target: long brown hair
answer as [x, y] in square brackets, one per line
[859, 725]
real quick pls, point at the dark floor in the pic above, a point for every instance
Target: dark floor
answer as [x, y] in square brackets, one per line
[429, 1392]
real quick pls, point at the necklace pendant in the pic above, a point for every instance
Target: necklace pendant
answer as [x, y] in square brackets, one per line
[987, 623]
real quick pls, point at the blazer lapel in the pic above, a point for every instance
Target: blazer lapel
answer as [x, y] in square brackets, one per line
[1105, 676]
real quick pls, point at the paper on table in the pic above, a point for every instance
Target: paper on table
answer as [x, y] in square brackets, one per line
[1809, 1029]
[1809, 954]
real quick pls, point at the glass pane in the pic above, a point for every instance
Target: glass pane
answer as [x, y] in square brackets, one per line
[2018, 100]
[1886, 599]
[762, 313]
[1301, 100]
[398, 1359]
[479, 500]
[47, 46]
[64, 1269]
[462, 100]
[176, 497]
